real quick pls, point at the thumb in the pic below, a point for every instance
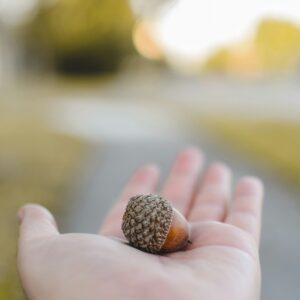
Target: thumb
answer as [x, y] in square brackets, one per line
[36, 222]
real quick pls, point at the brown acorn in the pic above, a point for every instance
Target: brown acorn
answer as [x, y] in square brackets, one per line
[151, 224]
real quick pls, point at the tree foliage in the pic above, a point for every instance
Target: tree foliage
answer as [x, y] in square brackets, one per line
[81, 35]
[217, 61]
[275, 47]
[278, 44]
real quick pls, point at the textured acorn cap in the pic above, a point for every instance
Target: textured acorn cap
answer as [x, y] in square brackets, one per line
[146, 222]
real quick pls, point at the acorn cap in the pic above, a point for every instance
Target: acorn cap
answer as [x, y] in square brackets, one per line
[146, 222]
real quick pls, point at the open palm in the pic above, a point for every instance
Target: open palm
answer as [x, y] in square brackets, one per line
[221, 263]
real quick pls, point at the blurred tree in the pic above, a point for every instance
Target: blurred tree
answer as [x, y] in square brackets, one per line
[275, 47]
[241, 59]
[217, 61]
[278, 44]
[81, 36]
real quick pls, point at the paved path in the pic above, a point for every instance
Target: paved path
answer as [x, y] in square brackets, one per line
[111, 164]
[274, 97]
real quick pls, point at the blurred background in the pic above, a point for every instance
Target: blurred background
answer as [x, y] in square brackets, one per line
[90, 89]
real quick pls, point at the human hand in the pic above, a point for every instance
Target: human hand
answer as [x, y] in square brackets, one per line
[222, 263]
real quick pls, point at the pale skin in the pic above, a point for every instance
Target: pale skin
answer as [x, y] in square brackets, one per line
[222, 263]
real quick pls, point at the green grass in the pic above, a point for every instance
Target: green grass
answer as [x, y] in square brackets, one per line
[36, 165]
[273, 143]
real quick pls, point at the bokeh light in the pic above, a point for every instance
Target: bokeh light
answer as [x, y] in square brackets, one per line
[144, 40]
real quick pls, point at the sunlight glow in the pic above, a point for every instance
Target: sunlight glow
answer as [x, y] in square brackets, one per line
[143, 40]
[192, 29]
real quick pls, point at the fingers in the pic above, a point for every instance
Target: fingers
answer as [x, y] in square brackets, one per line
[245, 211]
[181, 183]
[36, 222]
[211, 201]
[143, 181]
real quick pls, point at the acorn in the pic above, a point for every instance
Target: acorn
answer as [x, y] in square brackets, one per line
[151, 224]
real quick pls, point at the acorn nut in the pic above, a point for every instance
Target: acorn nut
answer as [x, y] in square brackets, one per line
[151, 224]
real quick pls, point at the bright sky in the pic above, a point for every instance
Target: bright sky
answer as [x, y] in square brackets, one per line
[195, 27]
